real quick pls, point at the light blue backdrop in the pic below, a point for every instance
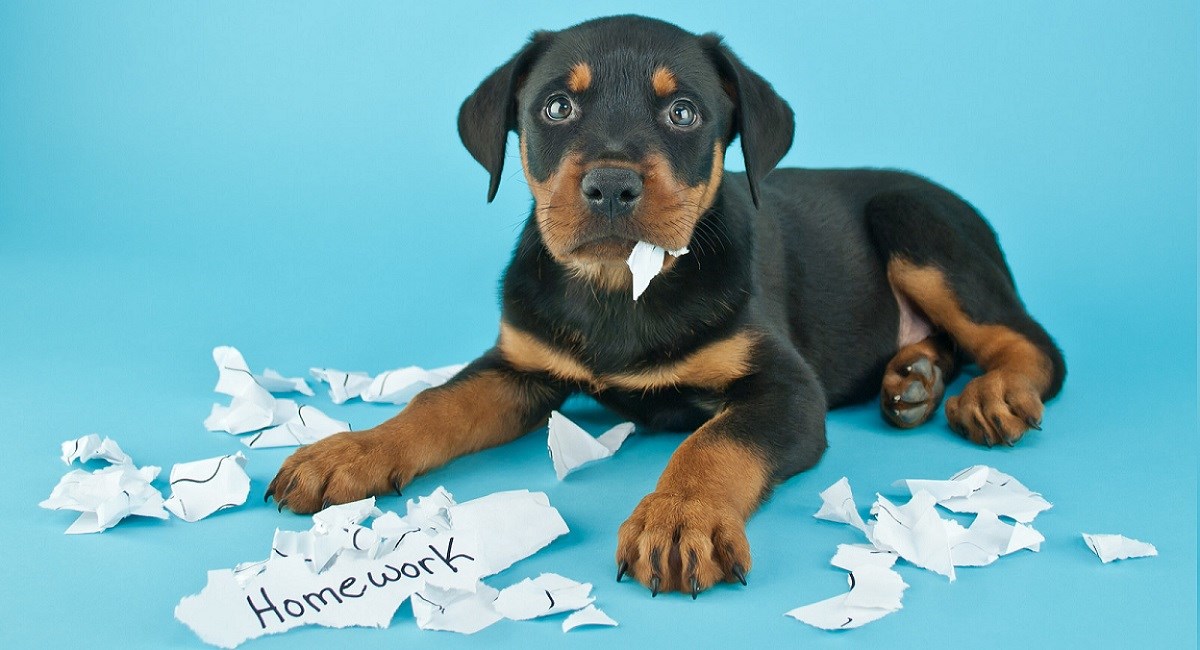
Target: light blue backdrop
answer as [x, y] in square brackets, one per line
[286, 178]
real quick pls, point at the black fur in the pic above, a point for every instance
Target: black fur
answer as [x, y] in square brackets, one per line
[796, 256]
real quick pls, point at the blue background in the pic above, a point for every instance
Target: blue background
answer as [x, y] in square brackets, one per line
[286, 178]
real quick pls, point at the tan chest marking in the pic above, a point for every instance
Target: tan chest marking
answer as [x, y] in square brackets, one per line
[713, 366]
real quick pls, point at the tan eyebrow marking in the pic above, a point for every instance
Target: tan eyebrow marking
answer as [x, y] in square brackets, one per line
[664, 81]
[580, 77]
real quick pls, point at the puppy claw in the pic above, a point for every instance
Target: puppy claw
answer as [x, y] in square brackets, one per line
[621, 570]
[740, 574]
[695, 587]
[337, 470]
[1033, 423]
[681, 543]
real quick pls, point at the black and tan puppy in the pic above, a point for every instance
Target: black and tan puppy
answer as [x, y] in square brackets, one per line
[804, 290]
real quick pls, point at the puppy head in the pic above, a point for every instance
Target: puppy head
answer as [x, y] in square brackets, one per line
[623, 124]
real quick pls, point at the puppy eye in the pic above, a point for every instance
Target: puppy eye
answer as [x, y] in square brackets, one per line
[683, 113]
[558, 108]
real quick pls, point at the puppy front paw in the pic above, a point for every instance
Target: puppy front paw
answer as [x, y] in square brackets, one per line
[679, 543]
[341, 468]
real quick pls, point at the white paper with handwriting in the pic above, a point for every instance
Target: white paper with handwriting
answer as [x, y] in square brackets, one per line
[916, 532]
[202, 487]
[106, 496]
[397, 386]
[252, 406]
[342, 572]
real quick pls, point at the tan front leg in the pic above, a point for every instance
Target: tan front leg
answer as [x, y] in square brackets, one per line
[689, 534]
[485, 405]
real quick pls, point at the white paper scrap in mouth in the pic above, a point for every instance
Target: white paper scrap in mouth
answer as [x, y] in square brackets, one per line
[645, 262]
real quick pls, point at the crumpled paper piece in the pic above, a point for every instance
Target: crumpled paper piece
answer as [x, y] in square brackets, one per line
[106, 496]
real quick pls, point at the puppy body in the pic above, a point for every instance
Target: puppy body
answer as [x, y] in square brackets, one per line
[803, 290]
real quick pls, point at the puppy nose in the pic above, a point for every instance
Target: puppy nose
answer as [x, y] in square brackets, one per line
[611, 191]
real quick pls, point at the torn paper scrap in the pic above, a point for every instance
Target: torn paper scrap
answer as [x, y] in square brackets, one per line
[277, 383]
[253, 411]
[341, 572]
[589, 615]
[344, 514]
[91, 447]
[1118, 547]
[244, 571]
[401, 385]
[1001, 494]
[335, 530]
[988, 538]
[426, 515]
[875, 587]
[454, 610]
[517, 524]
[286, 594]
[615, 437]
[547, 594]
[431, 512]
[106, 496]
[252, 407]
[234, 374]
[874, 593]
[837, 504]
[571, 447]
[914, 531]
[854, 556]
[306, 425]
[282, 422]
[645, 262]
[392, 530]
[960, 485]
[316, 551]
[202, 487]
[343, 386]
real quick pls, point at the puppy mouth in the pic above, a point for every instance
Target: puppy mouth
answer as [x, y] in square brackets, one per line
[604, 249]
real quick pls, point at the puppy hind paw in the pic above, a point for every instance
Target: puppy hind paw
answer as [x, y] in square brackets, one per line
[912, 389]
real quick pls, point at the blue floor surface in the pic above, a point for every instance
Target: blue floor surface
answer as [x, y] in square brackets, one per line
[285, 178]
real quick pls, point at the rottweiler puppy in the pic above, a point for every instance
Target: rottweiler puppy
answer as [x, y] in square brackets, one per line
[803, 290]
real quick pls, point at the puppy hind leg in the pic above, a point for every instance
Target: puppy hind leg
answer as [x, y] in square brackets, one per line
[944, 258]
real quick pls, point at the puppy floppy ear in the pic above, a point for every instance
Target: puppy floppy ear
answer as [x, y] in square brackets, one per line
[490, 112]
[760, 116]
